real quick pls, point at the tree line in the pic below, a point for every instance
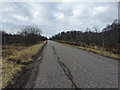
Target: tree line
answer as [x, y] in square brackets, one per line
[26, 35]
[108, 38]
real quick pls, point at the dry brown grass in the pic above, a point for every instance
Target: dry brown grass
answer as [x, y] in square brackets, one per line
[93, 48]
[8, 50]
[11, 55]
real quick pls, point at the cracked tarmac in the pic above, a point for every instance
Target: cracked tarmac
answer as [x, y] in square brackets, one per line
[63, 66]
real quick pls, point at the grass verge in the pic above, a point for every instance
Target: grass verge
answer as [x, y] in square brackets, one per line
[98, 50]
[15, 58]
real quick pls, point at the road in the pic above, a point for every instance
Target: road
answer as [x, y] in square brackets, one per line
[63, 66]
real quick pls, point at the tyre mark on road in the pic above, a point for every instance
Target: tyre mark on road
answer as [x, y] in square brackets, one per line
[65, 69]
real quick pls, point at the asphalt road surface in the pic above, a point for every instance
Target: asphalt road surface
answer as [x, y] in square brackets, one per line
[63, 66]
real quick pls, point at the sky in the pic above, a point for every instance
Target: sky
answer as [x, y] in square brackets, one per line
[55, 17]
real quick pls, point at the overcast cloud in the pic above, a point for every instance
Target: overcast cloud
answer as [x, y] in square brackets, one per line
[53, 17]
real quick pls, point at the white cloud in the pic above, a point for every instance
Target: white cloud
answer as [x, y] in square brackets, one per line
[19, 17]
[54, 17]
[101, 9]
[59, 15]
[78, 10]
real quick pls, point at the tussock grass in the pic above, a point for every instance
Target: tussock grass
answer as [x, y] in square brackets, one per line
[94, 49]
[14, 58]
